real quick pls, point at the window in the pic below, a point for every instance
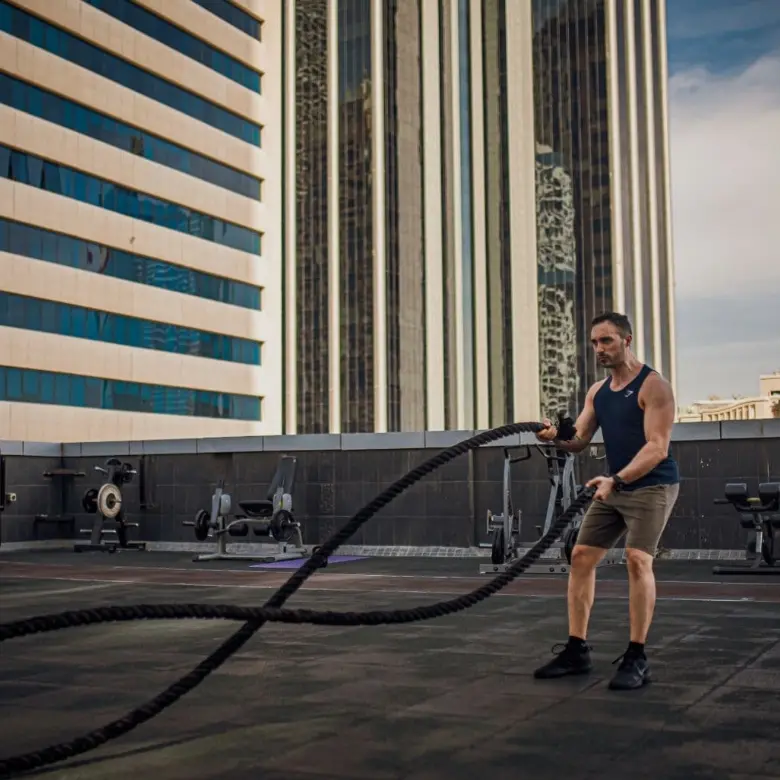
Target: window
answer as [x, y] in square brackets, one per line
[55, 40]
[53, 108]
[165, 32]
[29, 169]
[235, 16]
[21, 311]
[47, 387]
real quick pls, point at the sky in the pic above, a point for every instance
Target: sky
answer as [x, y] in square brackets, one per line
[724, 135]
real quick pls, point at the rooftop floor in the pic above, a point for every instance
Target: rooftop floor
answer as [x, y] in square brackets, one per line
[448, 698]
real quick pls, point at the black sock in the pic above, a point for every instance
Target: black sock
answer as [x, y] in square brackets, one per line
[577, 642]
[636, 648]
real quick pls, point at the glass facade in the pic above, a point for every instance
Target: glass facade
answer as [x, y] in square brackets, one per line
[573, 194]
[148, 23]
[659, 51]
[466, 205]
[449, 180]
[58, 248]
[29, 28]
[404, 226]
[21, 311]
[42, 174]
[625, 194]
[643, 140]
[47, 387]
[66, 113]
[234, 16]
[356, 226]
[312, 209]
[496, 189]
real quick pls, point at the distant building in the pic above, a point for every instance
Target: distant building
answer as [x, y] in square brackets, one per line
[760, 407]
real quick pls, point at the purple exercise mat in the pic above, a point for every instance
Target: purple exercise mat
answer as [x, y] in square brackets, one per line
[296, 563]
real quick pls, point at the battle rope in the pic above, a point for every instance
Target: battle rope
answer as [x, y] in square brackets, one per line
[271, 611]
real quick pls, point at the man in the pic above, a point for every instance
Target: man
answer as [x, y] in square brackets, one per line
[635, 408]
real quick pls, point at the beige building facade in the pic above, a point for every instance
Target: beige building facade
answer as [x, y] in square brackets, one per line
[140, 213]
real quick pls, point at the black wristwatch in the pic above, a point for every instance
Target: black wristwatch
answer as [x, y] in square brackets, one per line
[620, 483]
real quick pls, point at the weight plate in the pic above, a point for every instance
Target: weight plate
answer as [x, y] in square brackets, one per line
[202, 518]
[89, 501]
[498, 553]
[109, 500]
[570, 539]
[282, 526]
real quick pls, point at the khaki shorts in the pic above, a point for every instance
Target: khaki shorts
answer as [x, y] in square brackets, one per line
[643, 513]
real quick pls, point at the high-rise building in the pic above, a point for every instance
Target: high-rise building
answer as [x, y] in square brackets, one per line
[141, 147]
[474, 181]
[222, 217]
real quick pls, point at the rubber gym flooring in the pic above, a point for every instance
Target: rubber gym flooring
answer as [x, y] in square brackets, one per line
[448, 698]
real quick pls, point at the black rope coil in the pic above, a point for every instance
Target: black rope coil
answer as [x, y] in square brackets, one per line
[272, 611]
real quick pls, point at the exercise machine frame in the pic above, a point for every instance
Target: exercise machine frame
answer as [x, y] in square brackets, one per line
[761, 516]
[270, 518]
[107, 504]
[505, 529]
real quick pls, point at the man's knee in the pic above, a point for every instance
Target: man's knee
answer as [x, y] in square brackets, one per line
[585, 558]
[638, 562]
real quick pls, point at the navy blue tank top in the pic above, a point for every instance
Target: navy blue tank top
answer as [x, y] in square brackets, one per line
[622, 423]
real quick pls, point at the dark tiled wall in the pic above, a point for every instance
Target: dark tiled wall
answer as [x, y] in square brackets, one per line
[35, 494]
[447, 508]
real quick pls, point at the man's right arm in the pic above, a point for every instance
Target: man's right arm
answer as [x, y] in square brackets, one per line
[585, 427]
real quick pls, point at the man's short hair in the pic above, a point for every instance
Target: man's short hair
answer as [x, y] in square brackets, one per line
[620, 321]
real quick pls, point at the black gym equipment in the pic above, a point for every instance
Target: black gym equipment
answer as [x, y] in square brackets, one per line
[270, 518]
[106, 503]
[759, 515]
[505, 528]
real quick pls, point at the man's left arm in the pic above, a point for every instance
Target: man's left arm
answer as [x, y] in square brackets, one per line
[659, 419]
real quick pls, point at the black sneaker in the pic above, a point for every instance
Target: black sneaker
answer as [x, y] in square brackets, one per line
[569, 659]
[633, 672]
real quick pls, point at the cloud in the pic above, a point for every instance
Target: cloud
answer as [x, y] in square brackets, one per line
[725, 169]
[725, 163]
[705, 371]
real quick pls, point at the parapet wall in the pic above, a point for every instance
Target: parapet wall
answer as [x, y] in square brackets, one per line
[338, 474]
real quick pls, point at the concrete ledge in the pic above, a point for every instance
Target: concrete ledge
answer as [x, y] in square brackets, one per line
[230, 444]
[11, 447]
[440, 440]
[313, 442]
[750, 429]
[383, 441]
[436, 440]
[700, 431]
[31, 449]
[108, 449]
[174, 447]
